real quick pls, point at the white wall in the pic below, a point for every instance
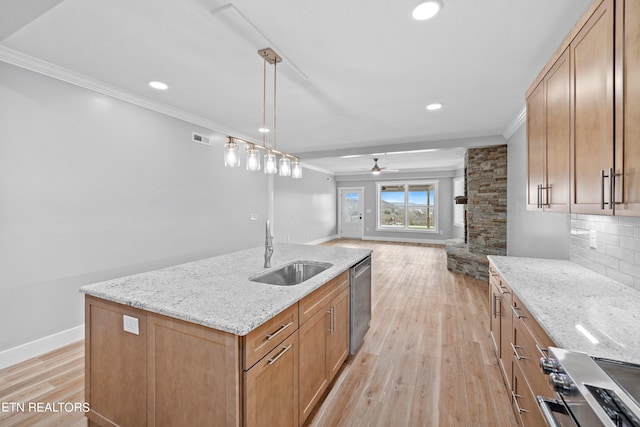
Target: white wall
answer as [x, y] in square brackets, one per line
[529, 233]
[93, 188]
[304, 210]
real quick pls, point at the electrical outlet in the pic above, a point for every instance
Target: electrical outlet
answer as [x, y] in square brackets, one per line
[593, 239]
[131, 324]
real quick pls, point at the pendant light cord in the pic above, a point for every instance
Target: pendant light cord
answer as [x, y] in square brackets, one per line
[275, 74]
[264, 103]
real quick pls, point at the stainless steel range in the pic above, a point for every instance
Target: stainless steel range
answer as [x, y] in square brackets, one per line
[591, 392]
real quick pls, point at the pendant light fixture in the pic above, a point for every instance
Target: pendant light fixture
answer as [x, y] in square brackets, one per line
[231, 157]
[287, 165]
[253, 158]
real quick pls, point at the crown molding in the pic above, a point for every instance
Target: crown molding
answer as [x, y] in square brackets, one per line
[39, 66]
[517, 121]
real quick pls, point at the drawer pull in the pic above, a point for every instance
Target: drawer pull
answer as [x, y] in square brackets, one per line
[496, 298]
[543, 351]
[275, 334]
[516, 312]
[515, 400]
[515, 352]
[285, 349]
[504, 290]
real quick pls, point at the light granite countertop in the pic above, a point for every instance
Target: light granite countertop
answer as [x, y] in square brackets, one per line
[568, 299]
[217, 293]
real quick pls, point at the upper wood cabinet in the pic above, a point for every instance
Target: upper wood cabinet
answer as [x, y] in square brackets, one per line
[627, 92]
[549, 139]
[589, 95]
[592, 148]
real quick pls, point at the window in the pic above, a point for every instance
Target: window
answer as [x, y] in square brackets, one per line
[407, 206]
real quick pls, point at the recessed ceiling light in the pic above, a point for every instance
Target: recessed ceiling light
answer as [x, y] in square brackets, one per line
[158, 85]
[263, 130]
[427, 10]
[433, 107]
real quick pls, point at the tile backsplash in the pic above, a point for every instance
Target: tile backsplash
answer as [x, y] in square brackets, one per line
[617, 246]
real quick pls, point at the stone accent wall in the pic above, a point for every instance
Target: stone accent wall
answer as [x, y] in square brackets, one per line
[486, 213]
[487, 200]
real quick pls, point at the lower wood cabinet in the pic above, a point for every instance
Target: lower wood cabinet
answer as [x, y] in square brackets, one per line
[271, 387]
[519, 342]
[324, 344]
[146, 369]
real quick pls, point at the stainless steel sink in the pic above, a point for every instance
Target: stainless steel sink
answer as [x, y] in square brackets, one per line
[292, 274]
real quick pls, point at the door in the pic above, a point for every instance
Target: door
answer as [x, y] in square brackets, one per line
[535, 148]
[351, 205]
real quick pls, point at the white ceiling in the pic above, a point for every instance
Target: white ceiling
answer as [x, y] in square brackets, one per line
[356, 75]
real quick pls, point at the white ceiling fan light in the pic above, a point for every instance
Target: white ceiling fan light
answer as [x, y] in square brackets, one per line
[434, 107]
[375, 170]
[427, 10]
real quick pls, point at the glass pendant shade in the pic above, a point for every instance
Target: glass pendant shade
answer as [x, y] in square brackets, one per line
[253, 159]
[285, 166]
[296, 170]
[270, 164]
[231, 158]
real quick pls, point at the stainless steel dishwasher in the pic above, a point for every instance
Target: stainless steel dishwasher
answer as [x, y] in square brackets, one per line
[360, 296]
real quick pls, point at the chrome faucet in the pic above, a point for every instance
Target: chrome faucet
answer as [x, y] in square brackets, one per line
[268, 247]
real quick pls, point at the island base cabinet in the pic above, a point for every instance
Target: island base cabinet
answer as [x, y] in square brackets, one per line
[137, 372]
[194, 387]
[115, 365]
[271, 387]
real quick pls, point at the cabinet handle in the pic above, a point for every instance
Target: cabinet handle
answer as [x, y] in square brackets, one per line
[504, 290]
[282, 328]
[333, 309]
[515, 352]
[543, 351]
[492, 272]
[515, 311]
[515, 400]
[285, 349]
[330, 313]
[602, 176]
[539, 204]
[496, 298]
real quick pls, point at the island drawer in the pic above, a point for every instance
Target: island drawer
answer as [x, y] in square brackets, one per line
[267, 336]
[317, 300]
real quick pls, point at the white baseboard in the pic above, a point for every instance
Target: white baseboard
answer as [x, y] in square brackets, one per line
[324, 239]
[404, 240]
[43, 345]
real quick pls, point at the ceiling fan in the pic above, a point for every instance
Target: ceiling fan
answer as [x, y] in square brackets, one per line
[377, 169]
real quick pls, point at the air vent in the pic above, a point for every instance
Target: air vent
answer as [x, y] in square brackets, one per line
[196, 137]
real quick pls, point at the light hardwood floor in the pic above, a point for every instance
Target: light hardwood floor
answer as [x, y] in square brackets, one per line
[426, 361]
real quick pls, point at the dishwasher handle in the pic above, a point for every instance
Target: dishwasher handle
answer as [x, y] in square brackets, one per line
[362, 267]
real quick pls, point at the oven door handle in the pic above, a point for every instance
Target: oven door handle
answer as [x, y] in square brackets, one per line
[547, 413]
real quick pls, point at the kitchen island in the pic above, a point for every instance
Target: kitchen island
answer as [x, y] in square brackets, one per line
[202, 344]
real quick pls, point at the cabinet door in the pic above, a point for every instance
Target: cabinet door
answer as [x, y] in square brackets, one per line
[524, 402]
[535, 147]
[339, 334]
[557, 85]
[494, 317]
[592, 60]
[271, 388]
[194, 374]
[506, 336]
[314, 372]
[628, 98]
[116, 364]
